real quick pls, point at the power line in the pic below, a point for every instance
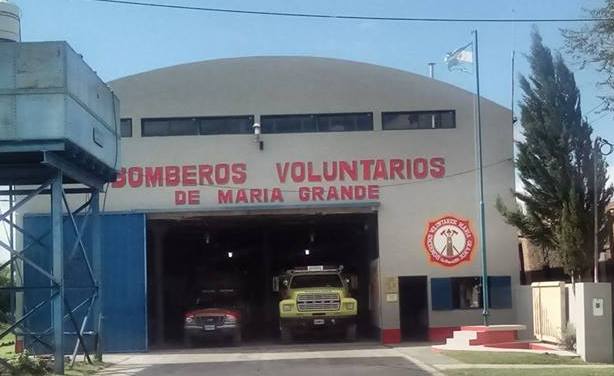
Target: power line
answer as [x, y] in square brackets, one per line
[599, 118]
[350, 17]
[595, 108]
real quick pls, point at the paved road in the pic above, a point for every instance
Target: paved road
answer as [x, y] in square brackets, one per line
[279, 361]
[303, 367]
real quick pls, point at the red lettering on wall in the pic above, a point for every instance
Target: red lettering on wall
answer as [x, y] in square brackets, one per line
[171, 176]
[373, 192]
[438, 167]
[329, 170]
[224, 196]
[349, 170]
[193, 197]
[297, 172]
[379, 172]
[312, 176]
[135, 177]
[241, 197]
[304, 193]
[421, 169]
[396, 169]
[276, 195]
[347, 193]
[332, 194]
[282, 171]
[153, 176]
[188, 175]
[239, 173]
[222, 173]
[366, 168]
[360, 192]
[120, 182]
[204, 174]
[255, 195]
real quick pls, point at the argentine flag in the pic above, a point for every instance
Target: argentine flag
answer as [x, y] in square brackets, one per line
[460, 59]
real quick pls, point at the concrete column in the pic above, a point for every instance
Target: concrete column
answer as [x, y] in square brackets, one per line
[158, 232]
[593, 321]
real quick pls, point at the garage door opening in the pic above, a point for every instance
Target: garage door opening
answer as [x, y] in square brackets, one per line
[241, 255]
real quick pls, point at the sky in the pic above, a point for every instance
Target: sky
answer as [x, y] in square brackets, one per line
[120, 40]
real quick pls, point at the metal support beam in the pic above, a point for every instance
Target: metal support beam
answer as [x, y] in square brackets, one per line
[97, 317]
[76, 172]
[57, 234]
[25, 192]
[57, 171]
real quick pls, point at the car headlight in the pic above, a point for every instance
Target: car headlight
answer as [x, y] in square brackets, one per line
[287, 307]
[349, 306]
[230, 319]
[189, 319]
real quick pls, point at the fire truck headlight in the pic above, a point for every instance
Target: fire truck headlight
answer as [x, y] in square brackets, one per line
[287, 307]
[349, 306]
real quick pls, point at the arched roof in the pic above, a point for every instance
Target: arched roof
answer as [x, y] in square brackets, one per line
[282, 84]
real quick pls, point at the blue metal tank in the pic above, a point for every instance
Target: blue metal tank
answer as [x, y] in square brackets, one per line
[50, 99]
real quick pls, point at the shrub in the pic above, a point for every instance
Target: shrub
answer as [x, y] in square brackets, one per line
[568, 338]
[26, 364]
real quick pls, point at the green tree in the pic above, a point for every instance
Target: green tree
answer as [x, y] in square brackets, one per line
[5, 303]
[555, 165]
[592, 44]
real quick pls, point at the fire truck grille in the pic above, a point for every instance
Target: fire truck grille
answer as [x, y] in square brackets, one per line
[210, 320]
[318, 302]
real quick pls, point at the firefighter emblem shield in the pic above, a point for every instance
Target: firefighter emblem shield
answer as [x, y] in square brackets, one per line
[449, 241]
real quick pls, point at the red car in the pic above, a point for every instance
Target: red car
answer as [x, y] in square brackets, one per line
[216, 315]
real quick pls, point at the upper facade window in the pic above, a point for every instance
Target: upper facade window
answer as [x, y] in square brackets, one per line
[317, 123]
[125, 127]
[197, 126]
[419, 120]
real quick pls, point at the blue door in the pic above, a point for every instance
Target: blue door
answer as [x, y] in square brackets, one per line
[124, 281]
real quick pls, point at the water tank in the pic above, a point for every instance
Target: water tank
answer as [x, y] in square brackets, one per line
[10, 29]
[50, 96]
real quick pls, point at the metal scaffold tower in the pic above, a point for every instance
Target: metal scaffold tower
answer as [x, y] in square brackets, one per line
[48, 178]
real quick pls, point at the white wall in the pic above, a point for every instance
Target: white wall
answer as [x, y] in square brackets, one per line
[260, 86]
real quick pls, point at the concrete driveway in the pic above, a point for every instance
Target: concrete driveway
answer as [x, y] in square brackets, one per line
[298, 360]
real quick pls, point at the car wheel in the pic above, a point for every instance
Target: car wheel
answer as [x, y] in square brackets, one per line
[286, 335]
[350, 332]
[237, 338]
[188, 341]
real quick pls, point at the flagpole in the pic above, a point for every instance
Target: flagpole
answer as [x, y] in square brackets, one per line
[480, 178]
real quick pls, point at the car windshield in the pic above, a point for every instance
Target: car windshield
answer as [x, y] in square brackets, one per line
[316, 280]
[224, 298]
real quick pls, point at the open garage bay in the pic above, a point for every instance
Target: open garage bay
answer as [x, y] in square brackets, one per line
[241, 255]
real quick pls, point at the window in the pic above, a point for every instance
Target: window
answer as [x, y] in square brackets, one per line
[466, 293]
[317, 280]
[197, 126]
[419, 120]
[226, 125]
[125, 127]
[317, 123]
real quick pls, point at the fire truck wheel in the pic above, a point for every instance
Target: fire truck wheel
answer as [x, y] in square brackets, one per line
[350, 332]
[286, 335]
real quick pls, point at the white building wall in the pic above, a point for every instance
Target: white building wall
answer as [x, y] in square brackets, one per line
[265, 86]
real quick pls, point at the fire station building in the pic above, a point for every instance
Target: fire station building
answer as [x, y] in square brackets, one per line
[269, 163]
